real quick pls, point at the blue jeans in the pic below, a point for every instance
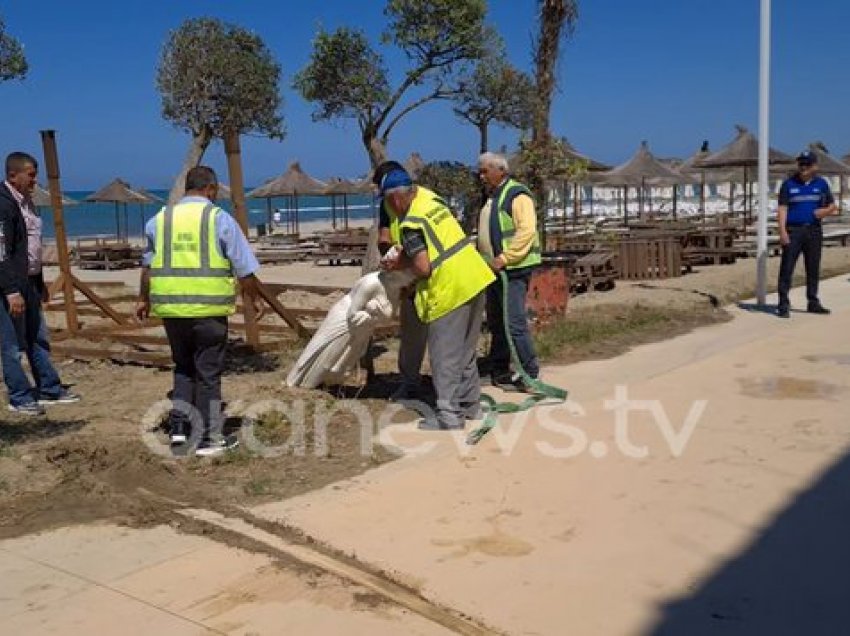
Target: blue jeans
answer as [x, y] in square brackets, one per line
[28, 335]
[500, 355]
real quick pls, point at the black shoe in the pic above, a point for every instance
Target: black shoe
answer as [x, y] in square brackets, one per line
[65, 397]
[817, 308]
[783, 312]
[506, 382]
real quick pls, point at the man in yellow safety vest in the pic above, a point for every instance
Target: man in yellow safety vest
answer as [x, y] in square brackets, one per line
[414, 333]
[195, 252]
[449, 299]
[508, 239]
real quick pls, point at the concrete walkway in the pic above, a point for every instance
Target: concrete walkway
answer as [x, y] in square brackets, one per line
[553, 526]
[717, 504]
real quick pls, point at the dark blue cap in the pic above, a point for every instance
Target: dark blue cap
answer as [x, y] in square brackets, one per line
[807, 158]
[395, 179]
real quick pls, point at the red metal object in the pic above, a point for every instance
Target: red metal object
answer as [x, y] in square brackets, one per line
[548, 292]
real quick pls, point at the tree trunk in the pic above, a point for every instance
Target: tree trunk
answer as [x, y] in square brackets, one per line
[556, 17]
[376, 148]
[484, 131]
[199, 145]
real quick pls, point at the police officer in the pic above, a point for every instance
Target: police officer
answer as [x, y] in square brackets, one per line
[449, 294]
[508, 238]
[195, 253]
[804, 200]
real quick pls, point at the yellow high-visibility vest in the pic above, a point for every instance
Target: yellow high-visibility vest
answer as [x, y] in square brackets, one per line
[458, 272]
[502, 202]
[190, 278]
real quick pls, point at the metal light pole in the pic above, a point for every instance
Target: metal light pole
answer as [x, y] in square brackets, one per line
[764, 158]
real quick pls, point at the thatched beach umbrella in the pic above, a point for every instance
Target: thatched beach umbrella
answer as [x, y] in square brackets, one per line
[119, 192]
[151, 198]
[692, 166]
[41, 198]
[343, 187]
[414, 165]
[292, 183]
[641, 170]
[743, 152]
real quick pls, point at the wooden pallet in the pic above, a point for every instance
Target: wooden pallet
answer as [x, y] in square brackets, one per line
[650, 259]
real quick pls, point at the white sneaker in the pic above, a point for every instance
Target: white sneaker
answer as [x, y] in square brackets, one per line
[214, 448]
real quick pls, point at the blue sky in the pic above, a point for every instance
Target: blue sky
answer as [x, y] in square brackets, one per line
[673, 72]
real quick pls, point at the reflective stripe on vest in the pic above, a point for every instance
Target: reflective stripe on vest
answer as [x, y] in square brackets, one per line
[508, 192]
[190, 278]
[458, 272]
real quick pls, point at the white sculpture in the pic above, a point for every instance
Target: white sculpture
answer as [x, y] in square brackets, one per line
[343, 337]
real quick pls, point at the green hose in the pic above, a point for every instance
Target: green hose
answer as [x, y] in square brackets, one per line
[539, 391]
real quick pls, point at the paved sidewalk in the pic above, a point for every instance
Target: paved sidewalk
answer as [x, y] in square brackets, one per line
[597, 542]
[548, 526]
[109, 580]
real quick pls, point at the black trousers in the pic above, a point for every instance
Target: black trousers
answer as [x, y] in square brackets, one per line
[808, 240]
[197, 348]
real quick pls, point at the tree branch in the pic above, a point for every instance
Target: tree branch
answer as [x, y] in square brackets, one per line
[438, 93]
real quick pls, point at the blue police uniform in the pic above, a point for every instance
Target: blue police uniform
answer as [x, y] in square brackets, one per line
[805, 234]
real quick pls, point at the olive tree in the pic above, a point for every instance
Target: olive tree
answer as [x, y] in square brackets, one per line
[346, 78]
[13, 62]
[216, 77]
[495, 93]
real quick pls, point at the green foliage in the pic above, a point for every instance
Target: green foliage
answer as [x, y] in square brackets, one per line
[437, 33]
[542, 161]
[496, 92]
[345, 78]
[452, 180]
[13, 62]
[216, 76]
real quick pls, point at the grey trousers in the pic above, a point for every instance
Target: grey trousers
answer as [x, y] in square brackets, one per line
[452, 343]
[414, 339]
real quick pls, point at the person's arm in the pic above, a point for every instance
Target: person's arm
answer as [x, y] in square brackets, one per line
[828, 207]
[782, 214]
[525, 223]
[414, 254]
[237, 250]
[10, 283]
[385, 239]
[143, 303]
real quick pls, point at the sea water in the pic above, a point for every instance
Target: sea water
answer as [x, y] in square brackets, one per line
[99, 219]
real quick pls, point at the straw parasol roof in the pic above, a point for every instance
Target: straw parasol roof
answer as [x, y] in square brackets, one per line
[571, 154]
[41, 198]
[149, 198]
[692, 166]
[117, 191]
[743, 152]
[345, 186]
[575, 155]
[827, 164]
[643, 168]
[292, 182]
[414, 165]
[224, 192]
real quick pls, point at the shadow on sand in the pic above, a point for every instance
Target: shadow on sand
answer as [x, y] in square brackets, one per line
[793, 579]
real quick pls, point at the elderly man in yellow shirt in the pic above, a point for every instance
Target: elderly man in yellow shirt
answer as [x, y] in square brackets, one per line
[508, 240]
